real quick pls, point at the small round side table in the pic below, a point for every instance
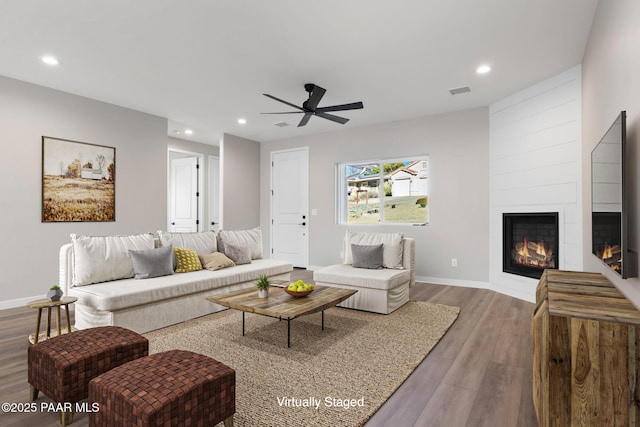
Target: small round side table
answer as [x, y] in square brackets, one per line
[48, 304]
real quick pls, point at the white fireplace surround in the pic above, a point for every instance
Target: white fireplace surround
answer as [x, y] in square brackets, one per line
[536, 166]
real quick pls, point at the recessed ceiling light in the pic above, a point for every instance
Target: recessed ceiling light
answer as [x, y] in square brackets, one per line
[242, 121]
[50, 60]
[483, 69]
[188, 131]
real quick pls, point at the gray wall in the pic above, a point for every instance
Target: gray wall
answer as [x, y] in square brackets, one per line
[27, 112]
[611, 83]
[458, 148]
[240, 170]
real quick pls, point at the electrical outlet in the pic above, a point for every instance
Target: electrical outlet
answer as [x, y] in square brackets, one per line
[314, 212]
[454, 262]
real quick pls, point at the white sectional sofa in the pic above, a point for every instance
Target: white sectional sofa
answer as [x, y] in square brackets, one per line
[157, 302]
[380, 290]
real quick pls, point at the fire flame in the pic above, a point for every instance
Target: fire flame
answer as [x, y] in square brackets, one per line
[538, 257]
[524, 251]
[607, 252]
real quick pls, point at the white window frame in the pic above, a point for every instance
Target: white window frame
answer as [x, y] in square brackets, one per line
[342, 188]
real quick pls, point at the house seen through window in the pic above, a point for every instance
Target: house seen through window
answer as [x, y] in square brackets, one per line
[384, 192]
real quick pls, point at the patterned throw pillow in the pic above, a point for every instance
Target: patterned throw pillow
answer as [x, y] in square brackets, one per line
[187, 260]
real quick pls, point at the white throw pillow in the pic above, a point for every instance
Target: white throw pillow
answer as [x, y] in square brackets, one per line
[105, 258]
[203, 242]
[253, 237]
[391, 247]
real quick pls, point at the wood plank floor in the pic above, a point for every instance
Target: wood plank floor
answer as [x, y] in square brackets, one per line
[479, 374]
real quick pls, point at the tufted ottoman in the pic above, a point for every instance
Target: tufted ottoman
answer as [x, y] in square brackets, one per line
[62, 367]
[172, 389]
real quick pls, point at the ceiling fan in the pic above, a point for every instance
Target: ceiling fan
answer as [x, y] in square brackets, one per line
[310, 106]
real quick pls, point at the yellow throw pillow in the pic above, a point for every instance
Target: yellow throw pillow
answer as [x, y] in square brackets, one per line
[187, 260]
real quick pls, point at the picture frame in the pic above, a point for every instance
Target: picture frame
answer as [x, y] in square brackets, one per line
[78, 181]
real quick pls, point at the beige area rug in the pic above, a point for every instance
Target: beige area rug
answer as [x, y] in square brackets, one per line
[336, 377]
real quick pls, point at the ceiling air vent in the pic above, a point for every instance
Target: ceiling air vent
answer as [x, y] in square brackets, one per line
[282, 124]
[459, 90]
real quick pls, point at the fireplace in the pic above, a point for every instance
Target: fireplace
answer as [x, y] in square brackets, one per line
[529, 243]
[607, 238]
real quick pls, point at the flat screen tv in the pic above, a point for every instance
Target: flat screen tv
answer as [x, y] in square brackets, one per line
[608, 201]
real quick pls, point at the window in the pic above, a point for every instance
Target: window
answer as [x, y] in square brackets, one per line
[384, 191]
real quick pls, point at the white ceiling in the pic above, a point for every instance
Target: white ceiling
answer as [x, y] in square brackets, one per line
[205, 63]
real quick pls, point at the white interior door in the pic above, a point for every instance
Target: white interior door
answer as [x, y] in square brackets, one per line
[290, 206]
[183, 204]
[214, 193]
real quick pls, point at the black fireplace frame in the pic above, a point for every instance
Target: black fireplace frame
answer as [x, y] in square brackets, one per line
[507, 228]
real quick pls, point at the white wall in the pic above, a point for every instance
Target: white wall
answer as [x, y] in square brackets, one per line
[610, 84]
[535, 166]
[240, 171]
[29, 252]
[458, 148]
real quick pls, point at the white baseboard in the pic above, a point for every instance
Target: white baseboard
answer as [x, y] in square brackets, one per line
[453, 282]
[20, 302]
[523, 295]
[529, 296]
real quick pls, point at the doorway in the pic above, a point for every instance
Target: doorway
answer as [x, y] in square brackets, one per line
[185, 208]
[290, 206]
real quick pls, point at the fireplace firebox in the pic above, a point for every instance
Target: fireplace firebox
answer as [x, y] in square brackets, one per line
[529, 243]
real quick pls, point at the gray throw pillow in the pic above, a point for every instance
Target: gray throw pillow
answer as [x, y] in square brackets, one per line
[240, 253]
[367, 256]
[152, 262]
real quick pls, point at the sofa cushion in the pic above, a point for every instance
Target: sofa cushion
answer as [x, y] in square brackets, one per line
[367, 256]
[150, 263]
[203, 242]
[343, 274]
[215, 261]
[391, 249]
[121, 294]
[105, 258]
[187, 260]
[240, 253]
[252, 237]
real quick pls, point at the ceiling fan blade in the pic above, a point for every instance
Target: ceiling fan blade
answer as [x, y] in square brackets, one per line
[286, 112]
[282, 100]
[305, 119]
[333, 118]
[343, 107]
[315, 97]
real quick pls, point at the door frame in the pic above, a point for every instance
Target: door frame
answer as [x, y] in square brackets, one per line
[271, 207]
[201, 199]
[213, 193]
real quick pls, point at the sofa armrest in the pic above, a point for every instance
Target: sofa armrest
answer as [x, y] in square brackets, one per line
[409, 258]
[65, 280]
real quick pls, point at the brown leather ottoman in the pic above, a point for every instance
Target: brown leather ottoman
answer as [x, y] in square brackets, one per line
[61, 367]
[172, 389]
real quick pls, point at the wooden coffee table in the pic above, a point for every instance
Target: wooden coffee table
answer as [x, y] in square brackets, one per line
[281, 305]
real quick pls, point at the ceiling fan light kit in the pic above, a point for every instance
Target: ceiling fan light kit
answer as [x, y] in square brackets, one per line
[310, 106]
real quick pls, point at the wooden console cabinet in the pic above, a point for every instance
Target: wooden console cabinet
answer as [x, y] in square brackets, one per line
[586, 352]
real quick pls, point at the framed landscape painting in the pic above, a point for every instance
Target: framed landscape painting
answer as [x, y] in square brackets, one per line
[78, 181]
